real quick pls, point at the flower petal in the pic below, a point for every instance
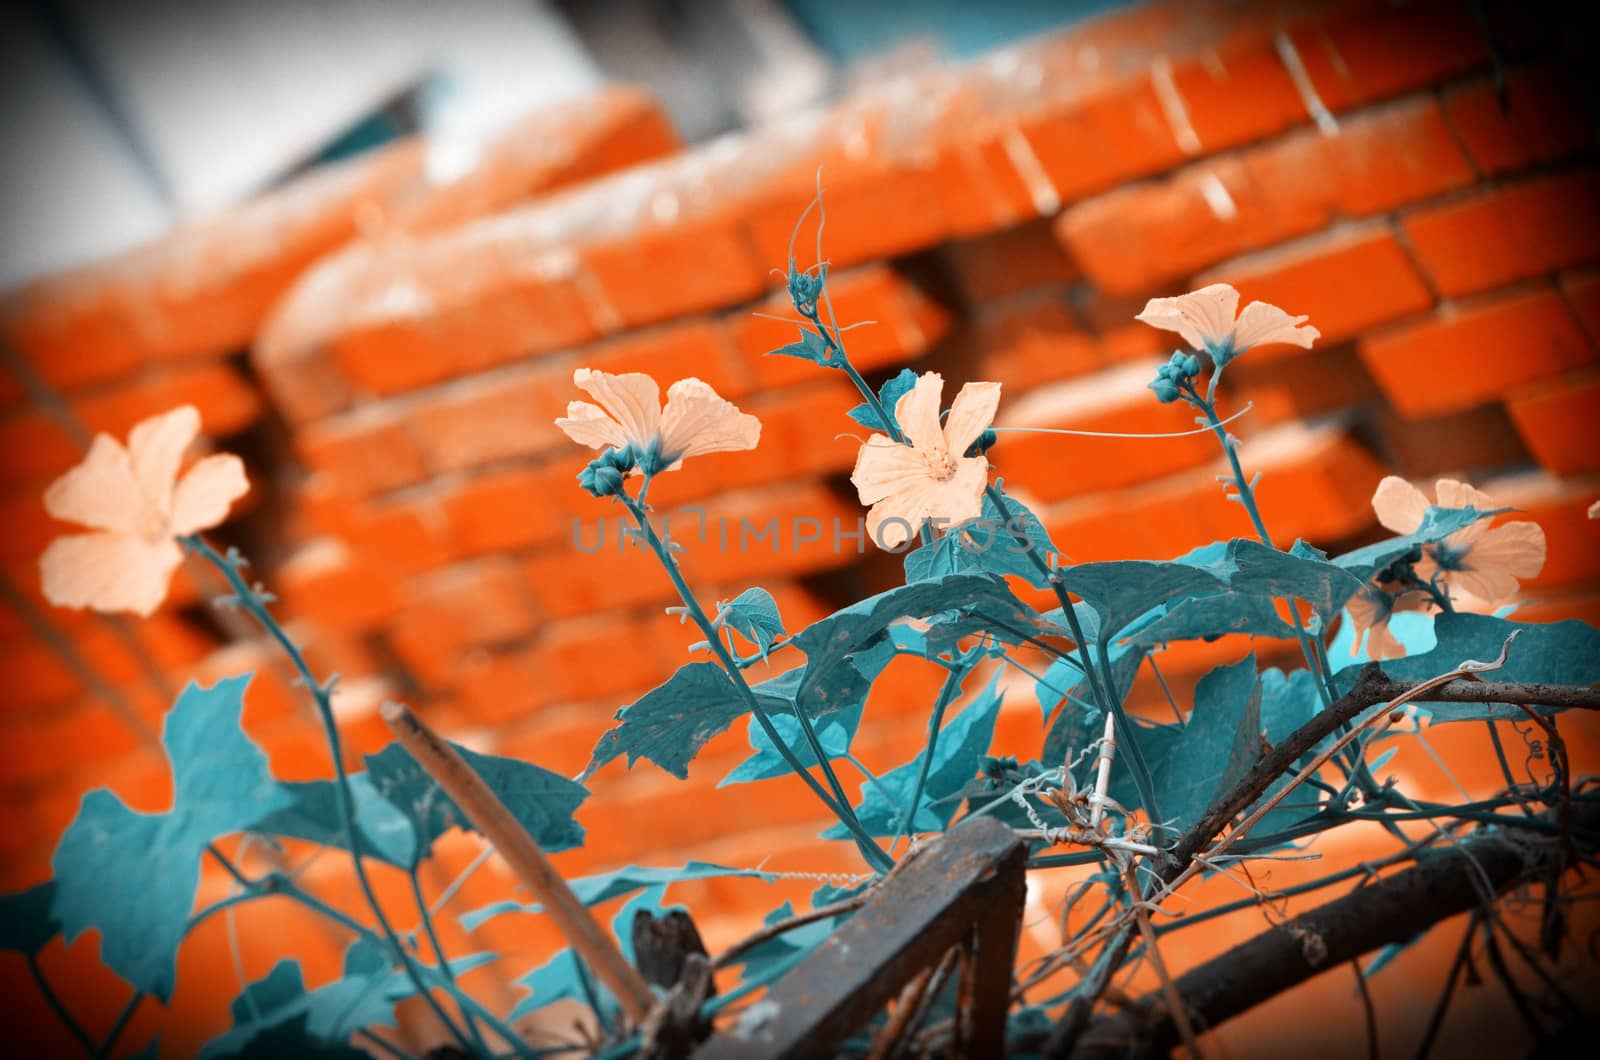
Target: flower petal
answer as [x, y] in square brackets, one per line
[1453, 494]
[101, 492]
[914, 498]
[1400, 505]
[970, 415]
[1262, 324]
[589, 425]
[1204, 318]
[156, 447]
[1498, 558]
[206, 491]
[632, 398]
[917, 412]
[699, 420]
[108, 571]
[884, 467]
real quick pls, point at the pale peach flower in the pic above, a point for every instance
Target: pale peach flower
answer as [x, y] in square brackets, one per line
[696, 419]
[1208, 319]
[931, 478]
[1478, 564]
[138, 506]
[1371, 608]
[1594, 510]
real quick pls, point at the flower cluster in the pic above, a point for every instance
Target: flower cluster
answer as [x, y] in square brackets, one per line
[1474, 569]
[1174, 375]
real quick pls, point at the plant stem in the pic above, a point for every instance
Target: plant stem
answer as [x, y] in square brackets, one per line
[947, 692]
[251, 601]
[121, 1024]
[426, 916]
[838, 803]
[60, 1009]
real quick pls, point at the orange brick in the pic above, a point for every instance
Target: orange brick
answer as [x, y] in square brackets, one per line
[587, 659]
[1230, 96]
[327, 582]
[1315, 484]
[510, 509]
[691, 267]
[404, 539]
[493, 416]
[1345, 282]
[558, 737]
[1459, 441]
[296, 749]
[906, 323]
[34, 675]
[1368, 52]
[1315, 382]
[502, 687]
[365, 452]
[1583, 298]
[1053, 466]
[553, 146]
[1557, 422]
[1027, 343]
[699, 348]
[455, 610]
[1473, 355]
[736, 550]
[455, 307]
[33, 448]
[201, 291]
[1541, 119]
[1381, 158]
[1112, 135]
[1510, 233]
[1131, 240]
[1008, 262]
[876, 210]
[226, 400]
[581, 575]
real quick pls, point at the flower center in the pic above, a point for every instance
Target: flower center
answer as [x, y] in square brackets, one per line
[940, 467]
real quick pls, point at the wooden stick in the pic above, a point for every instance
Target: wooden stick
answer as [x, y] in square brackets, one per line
[490, 816]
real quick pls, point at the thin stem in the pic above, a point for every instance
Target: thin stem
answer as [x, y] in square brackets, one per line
[60, 1009]
[947, 692]
[426, 916]
[251, 601]
[121, 1024]
[1368, 1008]
[384, 1044]
[877, 785]
[838, 803]
[1436, 1020]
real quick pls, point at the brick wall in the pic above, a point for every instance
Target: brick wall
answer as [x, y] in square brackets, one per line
[388, 351]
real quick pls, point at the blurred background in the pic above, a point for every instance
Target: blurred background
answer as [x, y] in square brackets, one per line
[371, 241]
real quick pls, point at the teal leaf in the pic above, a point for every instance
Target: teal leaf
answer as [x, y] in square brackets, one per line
[1562, 653]
[991, 544]
[1121, 590]
[1081, 720]
[768, 960]
[1207, 754]
[26, 923]
[276, 1016]
[132, 875]
[753, 614]
[387, 833]
[542, 802]
[956, 758]
[592, 890]
[1209, 617]
[889, 396]
[560, 977]
[979, 600]
[672, 722]
[809, 348]
[1437, 524]
[834, 734]
[1160, 744]
[1251, 568]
